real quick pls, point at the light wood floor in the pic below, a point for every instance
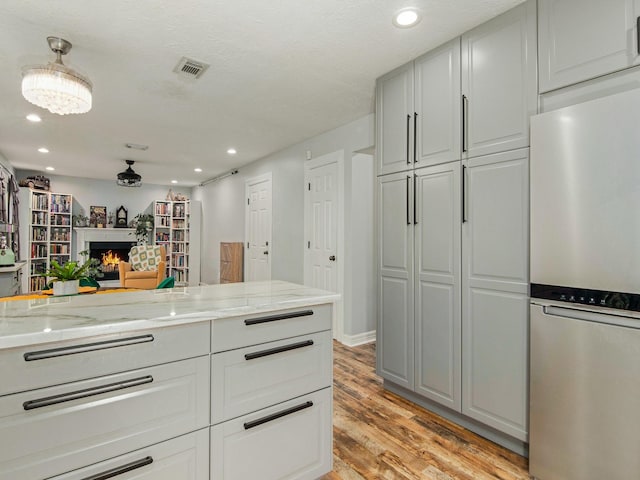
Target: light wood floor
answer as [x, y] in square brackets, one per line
[378, 435]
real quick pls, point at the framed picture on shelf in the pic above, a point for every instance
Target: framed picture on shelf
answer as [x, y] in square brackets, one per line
[97, 216]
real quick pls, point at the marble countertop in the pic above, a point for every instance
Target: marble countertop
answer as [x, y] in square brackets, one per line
[38, 321]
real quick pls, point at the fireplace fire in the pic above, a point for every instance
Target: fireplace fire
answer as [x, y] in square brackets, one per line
[110, 254]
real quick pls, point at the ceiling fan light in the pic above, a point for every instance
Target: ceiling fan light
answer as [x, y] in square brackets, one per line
[129, 178]
[55, 86]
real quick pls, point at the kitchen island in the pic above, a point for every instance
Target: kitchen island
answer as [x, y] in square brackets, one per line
[222, 382]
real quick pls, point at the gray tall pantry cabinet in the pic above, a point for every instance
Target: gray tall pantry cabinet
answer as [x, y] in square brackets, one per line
[452, 213]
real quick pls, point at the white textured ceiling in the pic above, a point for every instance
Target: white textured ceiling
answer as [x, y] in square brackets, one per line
[281, 71]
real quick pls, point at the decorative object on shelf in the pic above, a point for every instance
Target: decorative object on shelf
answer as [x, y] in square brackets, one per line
[169, 196]
[55, 86]
[143, 223]
[39, 182]
[129, 178]
[179, 197]
[121, 217]
[97, 216]
[80, 220]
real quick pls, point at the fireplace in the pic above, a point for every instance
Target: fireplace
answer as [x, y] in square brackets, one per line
[109, 254]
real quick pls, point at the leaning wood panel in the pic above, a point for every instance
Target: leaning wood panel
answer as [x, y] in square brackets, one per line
[231, 262]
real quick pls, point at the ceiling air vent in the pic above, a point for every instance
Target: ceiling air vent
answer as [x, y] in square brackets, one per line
[190, 68]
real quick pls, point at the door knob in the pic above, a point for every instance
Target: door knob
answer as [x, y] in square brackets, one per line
[266, 252]
[332, 258]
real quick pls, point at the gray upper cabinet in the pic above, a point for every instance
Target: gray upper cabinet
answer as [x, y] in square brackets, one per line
[395, 332]
[437, 102]
[499, 82]
[437, 264]
[394, 120]
[584, 39]
[495, 273]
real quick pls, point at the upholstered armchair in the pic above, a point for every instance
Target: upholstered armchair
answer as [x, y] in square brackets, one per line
[145, 269]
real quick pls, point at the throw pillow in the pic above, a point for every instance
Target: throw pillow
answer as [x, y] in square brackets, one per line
[145, 257]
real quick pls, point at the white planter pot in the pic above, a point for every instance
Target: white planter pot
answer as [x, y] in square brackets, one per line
[70, 287]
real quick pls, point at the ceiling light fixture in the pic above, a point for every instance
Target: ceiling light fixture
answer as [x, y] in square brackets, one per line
[51, 169]
[198, 169]
[174, 181]
[232, 151]
[32, 117]
[55, 86]
[406, 18]
[129, 178]
[43, 150]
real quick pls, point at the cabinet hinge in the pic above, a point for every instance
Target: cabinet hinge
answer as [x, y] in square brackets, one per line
[309, 244]
[309, 186]
[247, 201]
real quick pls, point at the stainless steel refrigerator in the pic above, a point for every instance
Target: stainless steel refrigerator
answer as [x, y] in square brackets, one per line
[585, 291]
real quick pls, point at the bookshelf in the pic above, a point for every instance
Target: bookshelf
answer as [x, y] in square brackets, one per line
[47, 235]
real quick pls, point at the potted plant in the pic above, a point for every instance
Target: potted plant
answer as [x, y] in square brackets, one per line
[144, 225]
[65, 279]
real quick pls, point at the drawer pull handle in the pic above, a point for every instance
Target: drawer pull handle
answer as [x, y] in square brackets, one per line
[275, 416]
[114, 472]
[87, 392]
[87, 347]
[273, 351]
[282, 316]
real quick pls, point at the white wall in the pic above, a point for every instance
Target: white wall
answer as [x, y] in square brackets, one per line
[223, 204]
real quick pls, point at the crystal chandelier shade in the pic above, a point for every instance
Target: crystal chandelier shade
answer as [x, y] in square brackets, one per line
[55, 86]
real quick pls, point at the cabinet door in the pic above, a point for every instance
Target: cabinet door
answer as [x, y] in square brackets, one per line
[583, 39]
[499, 82]
[291, 440]
[395, 333]
[437, 237]
[495, 287]
[394, 120]
[437, 92]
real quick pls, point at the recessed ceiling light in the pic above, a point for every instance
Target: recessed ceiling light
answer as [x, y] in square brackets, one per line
[51, 169]
[405, 18]
[197, 170]
[43, 150]
[174, 181]
[232, 151]
[32, 117]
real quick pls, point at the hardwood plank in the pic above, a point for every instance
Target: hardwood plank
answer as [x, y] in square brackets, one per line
[379, 435]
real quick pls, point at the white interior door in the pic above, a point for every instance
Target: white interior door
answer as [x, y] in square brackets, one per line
[322, 233]
[258, 229]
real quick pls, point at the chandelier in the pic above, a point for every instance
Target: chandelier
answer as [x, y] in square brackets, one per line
[55, 86]
[129, 178]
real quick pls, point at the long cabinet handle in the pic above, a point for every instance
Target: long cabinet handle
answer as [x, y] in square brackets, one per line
[415, 203]
[114, 472]
[87, 347]
[415, 137]
[87, 392]
[275, 416]
[408, 120]
[638, 35]
[408, 188]
[464, 123]
[275, 318]
[464, 193]
[273, 351]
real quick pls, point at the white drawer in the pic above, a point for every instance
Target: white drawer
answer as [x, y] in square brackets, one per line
[248, 379]
[181, 458]
[238, 332]
[26, 368]
[54, 430]
[292, 440]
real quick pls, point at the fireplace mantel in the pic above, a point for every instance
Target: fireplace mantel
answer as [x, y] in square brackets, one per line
[84, 235]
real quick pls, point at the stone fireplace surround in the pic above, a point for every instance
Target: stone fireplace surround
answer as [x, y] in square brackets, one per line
[86, 235]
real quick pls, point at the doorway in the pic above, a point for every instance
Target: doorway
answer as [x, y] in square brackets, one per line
[258, 228]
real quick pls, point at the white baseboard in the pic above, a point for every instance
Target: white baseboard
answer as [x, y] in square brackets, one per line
[359, 339]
